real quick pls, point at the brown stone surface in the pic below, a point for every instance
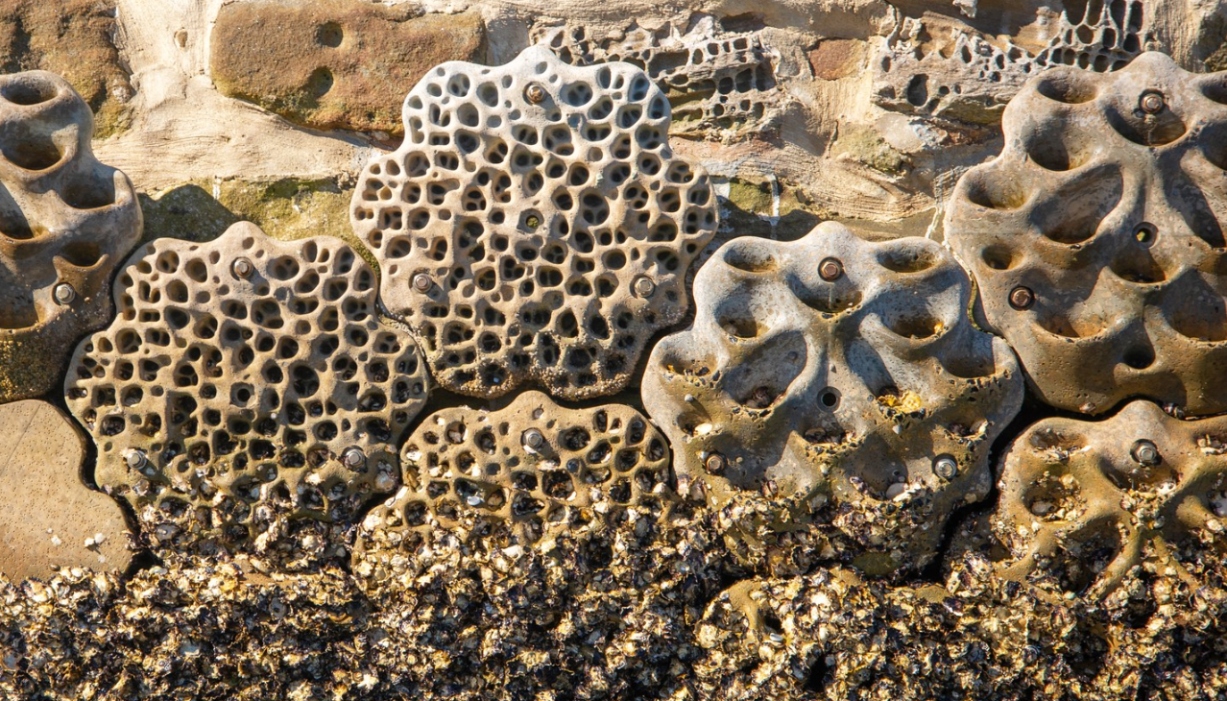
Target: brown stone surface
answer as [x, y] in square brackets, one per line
[50, 518]
[72, 38]
[339, 64]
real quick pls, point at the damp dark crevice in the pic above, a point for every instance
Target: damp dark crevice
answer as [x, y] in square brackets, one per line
[1032, 411]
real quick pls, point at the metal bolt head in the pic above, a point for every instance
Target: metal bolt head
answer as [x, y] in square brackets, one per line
[715, 463]
[1022, 298]
[1146, 453]
[535, 94]
[64, 293]
[353, 458]
[533, 439]
[135, 459]
[830, 269]
[422, 282]
[945, 467]
[242, 268]
[644, 287]
[1151, 102]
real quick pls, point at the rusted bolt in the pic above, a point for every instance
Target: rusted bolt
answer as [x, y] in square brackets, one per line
[534, 93]
[830, 269]
[353, 458]
[715, 463]
[242, 268]
[1022, 298]
[422, 282]
[644, 287]
[945, 467]
[64, 293]
[1146, 453]
[1151, 102]
[533, 439]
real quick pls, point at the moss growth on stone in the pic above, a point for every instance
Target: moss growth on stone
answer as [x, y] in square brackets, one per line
[864, 145]
[287, 209]
[71, 38]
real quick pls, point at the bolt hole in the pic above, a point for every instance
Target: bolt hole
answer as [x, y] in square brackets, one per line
[828, 399]
[1139, 358]
[329, 34]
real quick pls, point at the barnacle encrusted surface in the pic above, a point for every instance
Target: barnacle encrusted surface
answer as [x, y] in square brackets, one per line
[534, 226]
[842, 381]
[524, 475]
[247, 398]
[1095, 237]
[65, 221]
[1083, 503]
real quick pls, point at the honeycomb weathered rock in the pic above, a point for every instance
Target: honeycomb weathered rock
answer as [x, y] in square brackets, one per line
[722, 83]
[51, 519]
[1095, 237]
[1083, 503]
[246, 393]
[843, 380]
[939, 66]
[65, 221]
[522, 475]
[534, 226]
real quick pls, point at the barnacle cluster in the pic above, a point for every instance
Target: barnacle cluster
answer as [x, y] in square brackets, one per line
[1083, 503]
[66, 220]
[247, 397]
[524, 476]
[534, 226]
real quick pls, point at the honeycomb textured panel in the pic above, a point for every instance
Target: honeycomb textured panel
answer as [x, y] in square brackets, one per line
[1095, 237]
[534, 226]
[1083, 502]
[526, 475]
[65, 222]
[843, 381]
[247, 398]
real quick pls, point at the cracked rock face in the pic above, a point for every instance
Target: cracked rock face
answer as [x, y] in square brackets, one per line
[65, 221]
[1083, 502]
[1095, 237]
[527, 475]
[842, 381]
[247, 398]
[534, 227]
